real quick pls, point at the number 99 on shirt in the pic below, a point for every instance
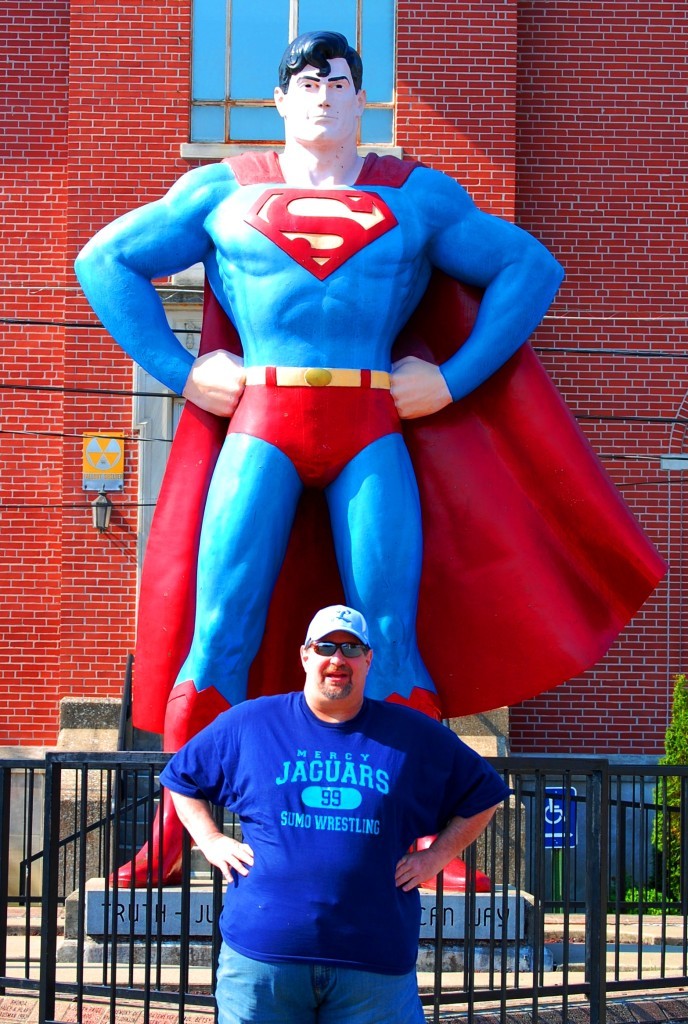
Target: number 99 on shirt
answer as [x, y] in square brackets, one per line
[331, 798]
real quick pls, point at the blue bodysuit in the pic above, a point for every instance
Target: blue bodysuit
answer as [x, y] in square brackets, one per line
[325, 279]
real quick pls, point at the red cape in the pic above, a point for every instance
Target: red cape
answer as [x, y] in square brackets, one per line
[532, 561]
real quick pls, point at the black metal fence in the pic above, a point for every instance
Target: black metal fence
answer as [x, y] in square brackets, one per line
[588, 897]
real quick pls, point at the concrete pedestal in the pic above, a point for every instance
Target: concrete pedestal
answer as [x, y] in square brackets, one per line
[499, 926]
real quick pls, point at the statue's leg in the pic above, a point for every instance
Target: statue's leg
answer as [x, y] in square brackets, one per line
[246, 526]
[376, 524]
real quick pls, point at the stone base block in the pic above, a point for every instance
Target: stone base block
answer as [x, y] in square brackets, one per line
[496, 916]
[499, 915]
[499, 926]
[482, 958]
[133, 914]
[138, 952]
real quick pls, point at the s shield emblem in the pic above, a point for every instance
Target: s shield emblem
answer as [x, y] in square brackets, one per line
[320, 229]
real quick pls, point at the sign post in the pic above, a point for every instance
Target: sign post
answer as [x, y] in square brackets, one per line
[560, 833]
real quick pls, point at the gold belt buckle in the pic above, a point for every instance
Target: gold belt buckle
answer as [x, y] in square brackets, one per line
[316, 377]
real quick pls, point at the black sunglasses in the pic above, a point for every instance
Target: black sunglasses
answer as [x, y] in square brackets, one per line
[326, 648]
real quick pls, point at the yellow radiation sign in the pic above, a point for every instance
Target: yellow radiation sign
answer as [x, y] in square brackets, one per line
[103, 462]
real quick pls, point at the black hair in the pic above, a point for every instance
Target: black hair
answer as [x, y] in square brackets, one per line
[318, 49]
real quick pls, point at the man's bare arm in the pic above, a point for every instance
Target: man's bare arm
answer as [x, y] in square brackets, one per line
[225, 853]
[415, 868]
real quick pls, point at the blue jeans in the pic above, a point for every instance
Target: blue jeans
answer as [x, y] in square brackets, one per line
[253, 992]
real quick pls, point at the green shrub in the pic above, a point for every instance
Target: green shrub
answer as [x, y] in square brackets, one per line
[666, 832]
[650, 896]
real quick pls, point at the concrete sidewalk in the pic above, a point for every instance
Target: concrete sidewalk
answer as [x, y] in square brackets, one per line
[669, 1009]
[662, 944]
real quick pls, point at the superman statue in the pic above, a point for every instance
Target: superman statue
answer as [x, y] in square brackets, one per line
[318, 460]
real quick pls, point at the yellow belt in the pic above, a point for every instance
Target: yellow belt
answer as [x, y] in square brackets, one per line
[316, 377]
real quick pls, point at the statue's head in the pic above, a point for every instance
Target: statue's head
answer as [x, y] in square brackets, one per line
[317, 49]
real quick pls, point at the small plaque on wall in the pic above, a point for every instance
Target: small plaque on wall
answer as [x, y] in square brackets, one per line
[103, 462]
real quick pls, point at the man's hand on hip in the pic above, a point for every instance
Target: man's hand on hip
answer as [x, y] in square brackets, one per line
[216, 382]
[416, 868]
[418, 388]
[227, 854]
[419, 866]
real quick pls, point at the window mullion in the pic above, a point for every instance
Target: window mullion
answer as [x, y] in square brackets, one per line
[293, 19]
[228, 64]
[245, 113]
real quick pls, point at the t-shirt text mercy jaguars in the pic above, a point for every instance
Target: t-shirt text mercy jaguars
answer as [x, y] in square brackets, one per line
[332, 783]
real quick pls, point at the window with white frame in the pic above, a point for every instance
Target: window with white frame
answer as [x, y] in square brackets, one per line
[237, 46]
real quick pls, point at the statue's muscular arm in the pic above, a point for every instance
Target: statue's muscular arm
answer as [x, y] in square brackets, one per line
[116, 268]
[520, 278]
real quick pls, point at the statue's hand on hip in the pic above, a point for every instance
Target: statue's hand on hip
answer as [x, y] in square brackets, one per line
[418, 388]
[216, 382]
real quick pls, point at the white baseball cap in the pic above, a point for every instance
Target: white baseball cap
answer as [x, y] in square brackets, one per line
[334, 617]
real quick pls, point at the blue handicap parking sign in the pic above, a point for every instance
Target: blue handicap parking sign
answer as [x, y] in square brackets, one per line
[560, 817]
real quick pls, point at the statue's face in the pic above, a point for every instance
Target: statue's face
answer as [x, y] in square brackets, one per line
[321, 109]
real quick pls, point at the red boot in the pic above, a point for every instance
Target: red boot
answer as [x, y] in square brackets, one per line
[420, 699]
[454, 875]
[166, 860]
[188, 711]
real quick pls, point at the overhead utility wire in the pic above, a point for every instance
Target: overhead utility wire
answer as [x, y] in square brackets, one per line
[81, 505]
[106, 432]
[63, 389]
[543, 349]
[18, 321]
[80, 436]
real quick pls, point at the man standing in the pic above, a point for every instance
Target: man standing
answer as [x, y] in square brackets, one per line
[322, 914]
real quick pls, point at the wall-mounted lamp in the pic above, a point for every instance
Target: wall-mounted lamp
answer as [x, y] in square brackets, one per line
[101, 509]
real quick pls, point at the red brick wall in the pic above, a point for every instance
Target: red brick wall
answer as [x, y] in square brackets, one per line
[128, 116]
[569, 118]
[601, 179]
[456, 93]
[32, 212]
[96, 107]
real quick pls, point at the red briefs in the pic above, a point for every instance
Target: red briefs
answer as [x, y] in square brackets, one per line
[320, 429]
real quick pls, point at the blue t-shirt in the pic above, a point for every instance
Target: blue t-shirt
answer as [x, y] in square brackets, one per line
[328, 809]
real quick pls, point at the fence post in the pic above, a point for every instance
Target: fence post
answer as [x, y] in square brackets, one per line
[597, 892]
[5, 804]
[51, 866]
